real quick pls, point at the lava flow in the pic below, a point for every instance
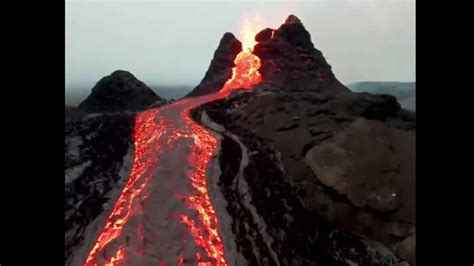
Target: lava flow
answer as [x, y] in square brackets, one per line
[164, 215]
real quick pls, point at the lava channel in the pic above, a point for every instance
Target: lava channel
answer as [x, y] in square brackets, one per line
[164, 215]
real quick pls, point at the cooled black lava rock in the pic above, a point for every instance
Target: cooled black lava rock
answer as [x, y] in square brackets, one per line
[120, 91]
[220, 69]
[363, 143]
[277, 229]
[73, 114]
[95, 148]
[290, 61]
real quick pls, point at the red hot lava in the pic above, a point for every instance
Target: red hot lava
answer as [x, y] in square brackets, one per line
[130, 235]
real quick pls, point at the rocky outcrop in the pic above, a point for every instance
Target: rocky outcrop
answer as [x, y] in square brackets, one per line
[119, 92]
[290, 61]
[371, 164]
[220, 69]
[406, 249]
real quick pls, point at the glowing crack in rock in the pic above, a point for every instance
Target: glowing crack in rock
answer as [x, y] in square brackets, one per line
[164, 215]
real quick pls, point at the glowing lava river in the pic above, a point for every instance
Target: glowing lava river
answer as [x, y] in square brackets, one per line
[164, 215]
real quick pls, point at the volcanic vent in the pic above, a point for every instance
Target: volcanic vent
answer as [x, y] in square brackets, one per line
[233, 66]
[285, 58]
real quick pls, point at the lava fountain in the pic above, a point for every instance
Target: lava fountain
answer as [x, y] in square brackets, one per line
[245, 72]
[164, 215]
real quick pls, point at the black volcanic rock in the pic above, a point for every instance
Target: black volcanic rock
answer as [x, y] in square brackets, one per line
[72, 114]
[120, 91]
[326, 159]
[290, 61]
[264, 35]
[220, 69]
[98, 152]
[349, 157]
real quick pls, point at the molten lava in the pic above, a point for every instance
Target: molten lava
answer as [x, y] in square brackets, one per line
[245, 73]
[133, 232]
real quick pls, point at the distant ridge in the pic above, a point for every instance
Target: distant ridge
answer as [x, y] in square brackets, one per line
[405, 92]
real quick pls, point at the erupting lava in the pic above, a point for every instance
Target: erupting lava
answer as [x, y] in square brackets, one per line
[165, 202]
[245, 73]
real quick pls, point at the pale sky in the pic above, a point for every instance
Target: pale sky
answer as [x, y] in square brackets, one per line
[172, 43]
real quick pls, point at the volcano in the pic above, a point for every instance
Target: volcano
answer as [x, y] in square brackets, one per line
[256, 166]
[119, 91]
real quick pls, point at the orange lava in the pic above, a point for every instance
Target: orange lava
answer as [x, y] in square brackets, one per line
[205, 236]
[152, 136]
[245, 72]
[119, 256]
[128, 202]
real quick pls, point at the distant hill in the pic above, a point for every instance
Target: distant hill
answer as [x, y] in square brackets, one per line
[404, 91]
[119, 91]
[75, 96]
